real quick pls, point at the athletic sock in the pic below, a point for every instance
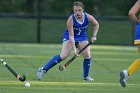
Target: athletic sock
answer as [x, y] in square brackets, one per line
[86, 67]
[135, 66]
[56, 59]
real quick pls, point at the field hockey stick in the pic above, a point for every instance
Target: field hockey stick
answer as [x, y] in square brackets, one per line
[61, 68]
[23, 78]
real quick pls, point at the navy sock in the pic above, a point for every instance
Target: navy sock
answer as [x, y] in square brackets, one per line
[56, 59]
[86, 67]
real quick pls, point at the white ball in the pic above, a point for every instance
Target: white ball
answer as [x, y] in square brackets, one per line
[27, 84]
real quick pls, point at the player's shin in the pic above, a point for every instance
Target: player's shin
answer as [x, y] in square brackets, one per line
[86, 67]
[55, 60]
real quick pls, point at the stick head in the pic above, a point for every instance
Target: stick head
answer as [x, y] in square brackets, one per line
[61, 68]
[23, 78]
[1, 60]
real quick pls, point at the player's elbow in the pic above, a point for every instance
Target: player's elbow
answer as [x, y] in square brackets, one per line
[131, 13]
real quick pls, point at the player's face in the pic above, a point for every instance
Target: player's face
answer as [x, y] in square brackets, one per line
[78, 11]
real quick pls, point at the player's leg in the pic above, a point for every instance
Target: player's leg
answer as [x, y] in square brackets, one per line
[135, 66]
[66, 48]
[42, 70]
[87, 61]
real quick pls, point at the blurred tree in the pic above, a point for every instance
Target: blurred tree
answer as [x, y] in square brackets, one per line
[64, 7]
[115, 7]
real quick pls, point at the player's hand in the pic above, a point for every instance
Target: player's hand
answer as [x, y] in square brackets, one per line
[75, 51]
[76, 54]
[93, 39]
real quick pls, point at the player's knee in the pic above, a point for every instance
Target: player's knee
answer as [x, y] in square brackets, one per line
[63, 56]
[87, 56]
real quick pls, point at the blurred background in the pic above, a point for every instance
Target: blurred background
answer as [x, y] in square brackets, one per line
[44, 21]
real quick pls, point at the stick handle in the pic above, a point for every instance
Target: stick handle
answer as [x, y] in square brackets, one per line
[79, 52]
[84, 47]
[12, 71]
[69, 61]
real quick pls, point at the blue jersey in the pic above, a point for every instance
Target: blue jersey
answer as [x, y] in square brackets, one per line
[78, 28]
[137, 35]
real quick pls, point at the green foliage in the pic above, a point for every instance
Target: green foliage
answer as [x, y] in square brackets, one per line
[64, 7]
[114, 7]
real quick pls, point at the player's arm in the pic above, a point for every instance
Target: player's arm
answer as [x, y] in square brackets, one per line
[96, 27]
[71, 33]
[133, 11]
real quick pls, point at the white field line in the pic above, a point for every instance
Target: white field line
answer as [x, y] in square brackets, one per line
[61, 83]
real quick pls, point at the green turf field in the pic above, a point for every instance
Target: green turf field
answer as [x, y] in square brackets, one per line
[108, 61]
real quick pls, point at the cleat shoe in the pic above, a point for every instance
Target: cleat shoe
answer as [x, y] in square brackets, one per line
[123, 78]
[89, 79]
[40, 73]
